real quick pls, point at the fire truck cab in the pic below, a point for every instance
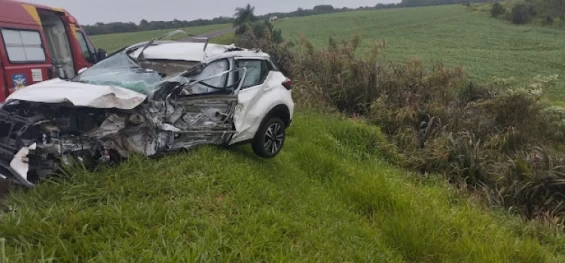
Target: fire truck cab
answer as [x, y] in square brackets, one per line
[38, 43]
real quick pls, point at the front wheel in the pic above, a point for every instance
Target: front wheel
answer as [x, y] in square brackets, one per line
[269, 139]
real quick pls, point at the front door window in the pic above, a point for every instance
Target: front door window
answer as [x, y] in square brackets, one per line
[86, 49]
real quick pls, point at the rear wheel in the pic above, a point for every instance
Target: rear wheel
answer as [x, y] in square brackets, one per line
[269, 139]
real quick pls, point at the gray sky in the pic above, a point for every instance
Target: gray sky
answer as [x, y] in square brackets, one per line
[91, 11]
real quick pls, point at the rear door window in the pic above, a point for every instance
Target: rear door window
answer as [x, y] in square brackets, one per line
[257, 71]
[23, 46]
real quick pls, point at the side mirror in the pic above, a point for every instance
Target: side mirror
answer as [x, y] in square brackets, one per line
[101, 54]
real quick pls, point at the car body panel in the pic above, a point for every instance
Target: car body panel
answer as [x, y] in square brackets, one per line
[255, 102]
[79, 94]
[180, 51]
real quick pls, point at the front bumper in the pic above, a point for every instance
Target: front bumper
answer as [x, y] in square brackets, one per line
[13, 129]
[8, 173]
[12, 164]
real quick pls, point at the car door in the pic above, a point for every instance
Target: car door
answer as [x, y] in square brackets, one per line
[205, 110]
[252, 104]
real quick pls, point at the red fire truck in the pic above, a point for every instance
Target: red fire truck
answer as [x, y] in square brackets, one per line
[38, 43]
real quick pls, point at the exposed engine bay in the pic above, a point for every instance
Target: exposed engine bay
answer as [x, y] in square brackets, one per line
[37, 138]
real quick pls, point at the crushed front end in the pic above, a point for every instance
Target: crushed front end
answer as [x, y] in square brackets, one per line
[33, 142]
[37, 139]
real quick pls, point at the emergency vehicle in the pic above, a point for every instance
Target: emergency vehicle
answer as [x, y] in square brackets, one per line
[38, 43]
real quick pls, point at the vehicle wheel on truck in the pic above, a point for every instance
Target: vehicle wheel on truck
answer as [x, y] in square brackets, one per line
[269, 139]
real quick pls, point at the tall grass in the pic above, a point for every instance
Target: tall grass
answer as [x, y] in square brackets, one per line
[484, 138]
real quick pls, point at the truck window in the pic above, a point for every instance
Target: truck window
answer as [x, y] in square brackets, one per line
[87, 51]
[23, 46]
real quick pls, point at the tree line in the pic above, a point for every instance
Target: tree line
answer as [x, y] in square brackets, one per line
[121, 27]
[143, 25]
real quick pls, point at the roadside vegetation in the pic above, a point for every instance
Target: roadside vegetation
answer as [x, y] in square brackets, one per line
[501, 141]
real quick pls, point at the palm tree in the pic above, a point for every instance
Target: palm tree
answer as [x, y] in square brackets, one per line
[242, 17]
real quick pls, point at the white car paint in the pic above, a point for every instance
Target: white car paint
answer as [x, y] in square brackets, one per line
[255, 102]
[187, 51]
[181, 51]
[79, 94]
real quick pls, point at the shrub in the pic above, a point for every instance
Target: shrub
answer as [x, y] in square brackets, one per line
[262, 35]
[535, 183]
[521, 14]
[548, 20]
[441, 123]
[497, 10]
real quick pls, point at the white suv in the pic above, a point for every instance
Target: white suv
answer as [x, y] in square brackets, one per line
[150, 98]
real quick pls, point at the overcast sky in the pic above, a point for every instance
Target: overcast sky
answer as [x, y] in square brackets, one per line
[91, 11]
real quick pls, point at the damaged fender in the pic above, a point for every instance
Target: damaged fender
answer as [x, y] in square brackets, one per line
[254, 102]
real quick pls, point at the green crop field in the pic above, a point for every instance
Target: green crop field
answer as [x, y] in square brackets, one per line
[112, 42]
[328, 197]
[485, 47]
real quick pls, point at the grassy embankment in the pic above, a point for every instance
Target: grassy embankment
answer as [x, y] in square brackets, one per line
[328, 197]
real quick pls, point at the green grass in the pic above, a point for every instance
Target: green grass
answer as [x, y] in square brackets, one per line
[328, 197]
[225, 39]
[113, 42]
[485, 47]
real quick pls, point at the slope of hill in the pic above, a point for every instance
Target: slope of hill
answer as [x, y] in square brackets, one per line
[485, 47]
[328, 197]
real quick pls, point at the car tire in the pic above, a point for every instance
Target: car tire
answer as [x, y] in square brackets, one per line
[269, 139]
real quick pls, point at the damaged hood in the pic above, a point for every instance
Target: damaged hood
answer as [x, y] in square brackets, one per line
[79, 94]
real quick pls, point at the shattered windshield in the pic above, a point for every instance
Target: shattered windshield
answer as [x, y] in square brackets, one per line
[120, 70]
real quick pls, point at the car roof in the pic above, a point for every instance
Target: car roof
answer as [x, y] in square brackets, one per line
[191, 51]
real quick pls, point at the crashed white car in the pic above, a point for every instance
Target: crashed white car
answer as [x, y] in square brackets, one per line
[151, 98]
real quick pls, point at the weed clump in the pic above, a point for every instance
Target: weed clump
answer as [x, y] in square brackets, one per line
[548, 20]
[522, 14]
[497, 9]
